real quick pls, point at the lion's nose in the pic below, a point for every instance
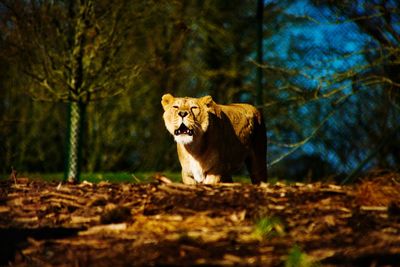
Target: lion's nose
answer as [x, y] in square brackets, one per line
[183, 113]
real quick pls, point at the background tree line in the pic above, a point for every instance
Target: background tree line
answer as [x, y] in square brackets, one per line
[330, 90]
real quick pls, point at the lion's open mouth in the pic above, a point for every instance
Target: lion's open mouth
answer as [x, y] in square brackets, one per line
[183, 129]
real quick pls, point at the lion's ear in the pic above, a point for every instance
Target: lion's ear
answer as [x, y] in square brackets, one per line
[210, 104]
[207, 101]
[166, 100]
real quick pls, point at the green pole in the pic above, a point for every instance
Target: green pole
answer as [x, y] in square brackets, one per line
[76, 116]
[259, 77]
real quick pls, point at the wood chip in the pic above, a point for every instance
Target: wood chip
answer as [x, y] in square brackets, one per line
[373, 208]
[84, 220]
[26, 219]
[4, 209]
[104, 229]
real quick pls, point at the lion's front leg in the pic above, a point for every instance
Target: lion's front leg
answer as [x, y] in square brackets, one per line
[187, 178]
[212, 179]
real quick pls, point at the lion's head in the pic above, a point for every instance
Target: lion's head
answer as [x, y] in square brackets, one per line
[186, 118]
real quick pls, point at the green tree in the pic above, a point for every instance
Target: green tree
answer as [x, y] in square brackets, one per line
[73, 51]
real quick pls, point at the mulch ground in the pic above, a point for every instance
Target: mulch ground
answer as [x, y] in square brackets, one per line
[163, 223]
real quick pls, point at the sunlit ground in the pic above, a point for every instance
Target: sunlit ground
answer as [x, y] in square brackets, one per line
[113, 177]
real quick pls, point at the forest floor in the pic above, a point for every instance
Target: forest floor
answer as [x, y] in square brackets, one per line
[164, 223]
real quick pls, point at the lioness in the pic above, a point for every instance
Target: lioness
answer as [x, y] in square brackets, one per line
[214, 140]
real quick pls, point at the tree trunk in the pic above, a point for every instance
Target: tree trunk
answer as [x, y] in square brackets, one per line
[76, 118]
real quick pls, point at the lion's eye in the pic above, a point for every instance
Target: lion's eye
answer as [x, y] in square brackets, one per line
[175, 107]
[194, 108]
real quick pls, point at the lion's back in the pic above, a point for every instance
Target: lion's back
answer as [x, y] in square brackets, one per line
[244, 119]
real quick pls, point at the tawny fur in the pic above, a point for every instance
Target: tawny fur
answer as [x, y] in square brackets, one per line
[219, 139]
